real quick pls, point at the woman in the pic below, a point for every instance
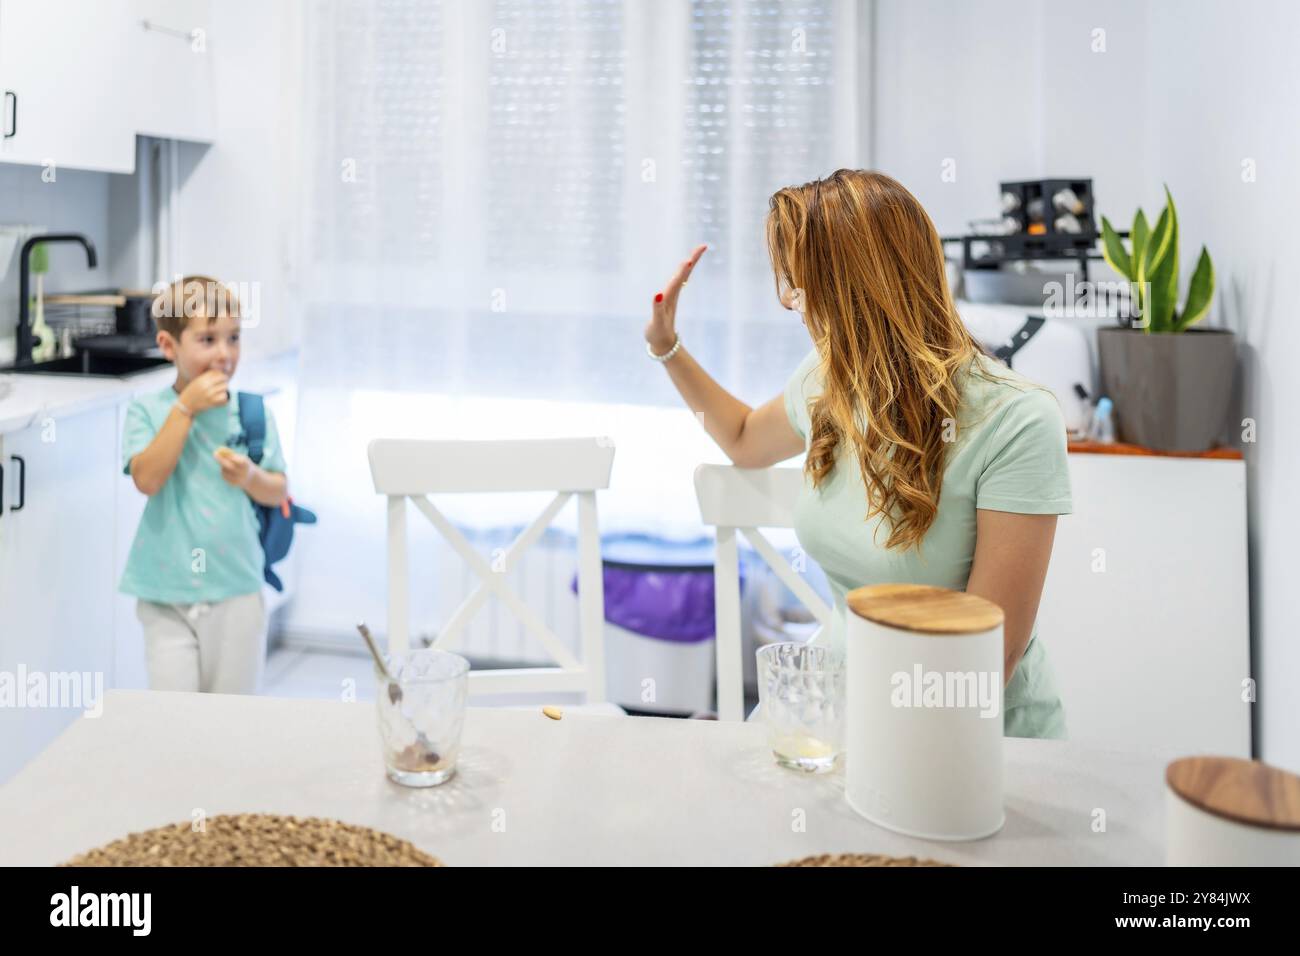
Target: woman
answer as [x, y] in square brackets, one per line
[927, 461]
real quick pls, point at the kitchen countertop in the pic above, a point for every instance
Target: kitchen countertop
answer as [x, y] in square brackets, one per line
[583, 790]
[31, 398]
[1220, 453]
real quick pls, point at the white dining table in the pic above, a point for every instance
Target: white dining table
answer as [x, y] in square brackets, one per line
[582, 790]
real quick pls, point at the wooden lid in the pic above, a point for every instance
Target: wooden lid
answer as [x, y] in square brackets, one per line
[924, 608]
[1245, 791]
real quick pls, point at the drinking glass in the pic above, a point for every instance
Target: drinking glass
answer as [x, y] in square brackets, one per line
[801, 696]
[421, 714]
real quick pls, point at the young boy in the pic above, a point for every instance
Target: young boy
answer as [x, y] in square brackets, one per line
[196, 563]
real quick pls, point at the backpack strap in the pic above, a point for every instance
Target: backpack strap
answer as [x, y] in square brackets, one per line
[252, 417]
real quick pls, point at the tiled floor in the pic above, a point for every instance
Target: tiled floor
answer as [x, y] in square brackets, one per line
[294, 672]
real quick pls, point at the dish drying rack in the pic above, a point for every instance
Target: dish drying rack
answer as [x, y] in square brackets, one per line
[72, 317]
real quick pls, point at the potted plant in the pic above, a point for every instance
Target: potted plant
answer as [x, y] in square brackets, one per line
[1171, 383]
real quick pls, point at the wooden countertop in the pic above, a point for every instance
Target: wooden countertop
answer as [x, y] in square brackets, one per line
[1124, 448]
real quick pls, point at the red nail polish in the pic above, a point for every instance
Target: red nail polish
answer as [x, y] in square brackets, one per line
[659, 296]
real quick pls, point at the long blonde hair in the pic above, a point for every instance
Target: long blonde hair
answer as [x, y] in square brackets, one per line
[892, 347]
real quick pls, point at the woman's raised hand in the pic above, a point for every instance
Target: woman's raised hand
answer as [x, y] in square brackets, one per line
[661, 331]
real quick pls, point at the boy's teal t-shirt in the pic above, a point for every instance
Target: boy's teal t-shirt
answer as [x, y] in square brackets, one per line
[198, 538]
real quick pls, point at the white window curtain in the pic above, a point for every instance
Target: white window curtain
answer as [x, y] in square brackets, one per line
[494, 190]
[516, 178]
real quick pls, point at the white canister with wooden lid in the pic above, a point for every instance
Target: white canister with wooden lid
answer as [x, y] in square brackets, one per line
[1226, 811]
[923, 750]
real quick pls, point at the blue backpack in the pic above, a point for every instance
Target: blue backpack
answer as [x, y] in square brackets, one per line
[275, 524]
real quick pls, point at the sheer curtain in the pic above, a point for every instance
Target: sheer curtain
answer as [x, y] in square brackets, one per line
[495, 189]
[502, 185]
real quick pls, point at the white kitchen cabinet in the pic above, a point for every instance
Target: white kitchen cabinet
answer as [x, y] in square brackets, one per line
[81, 78]
[68, 82]
[56, 566]
[1145, 614]
[173, 67]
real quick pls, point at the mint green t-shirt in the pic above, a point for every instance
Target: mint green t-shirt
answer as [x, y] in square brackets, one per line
[1008, 454]
[198, 538]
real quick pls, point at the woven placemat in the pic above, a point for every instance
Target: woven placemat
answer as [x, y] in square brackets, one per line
[258, 839]
[862, 859]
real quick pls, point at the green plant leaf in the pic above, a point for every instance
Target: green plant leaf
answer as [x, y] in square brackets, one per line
[1164, 234]
[1164, 289]
[1138, 243]
[1153, 304]
[1138, 238]
[1112, 250]
[1167, 271]
[1164, 272]
[1154, 239]
[1199, 292]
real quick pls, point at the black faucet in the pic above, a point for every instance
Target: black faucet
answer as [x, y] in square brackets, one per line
[25, 341]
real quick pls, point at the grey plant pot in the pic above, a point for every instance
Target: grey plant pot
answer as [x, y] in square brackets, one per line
[1171, 389]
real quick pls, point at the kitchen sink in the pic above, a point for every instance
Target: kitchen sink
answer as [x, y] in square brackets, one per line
[93, 363]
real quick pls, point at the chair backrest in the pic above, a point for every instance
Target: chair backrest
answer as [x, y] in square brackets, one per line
[744, 500]
[413, 469]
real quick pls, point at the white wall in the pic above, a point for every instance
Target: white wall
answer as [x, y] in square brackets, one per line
[1183, 94]
[239, 204]
[950, 87]
[1010, 89]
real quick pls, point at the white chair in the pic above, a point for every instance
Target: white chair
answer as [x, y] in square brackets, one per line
[746, 499]
[412, 469]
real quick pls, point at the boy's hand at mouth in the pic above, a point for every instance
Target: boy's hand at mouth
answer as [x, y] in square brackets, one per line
[237, 469]
[206, 391]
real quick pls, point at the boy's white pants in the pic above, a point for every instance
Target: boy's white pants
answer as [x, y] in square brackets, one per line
[216, 648]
